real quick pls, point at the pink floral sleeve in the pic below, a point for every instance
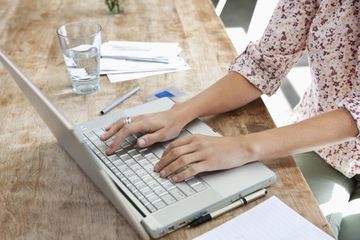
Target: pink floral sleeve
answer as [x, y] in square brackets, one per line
[352, 104]
[267, 62]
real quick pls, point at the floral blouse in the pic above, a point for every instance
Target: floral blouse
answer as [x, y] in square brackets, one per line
[330, 32]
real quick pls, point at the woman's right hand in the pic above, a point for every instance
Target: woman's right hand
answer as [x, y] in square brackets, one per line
[157, 127]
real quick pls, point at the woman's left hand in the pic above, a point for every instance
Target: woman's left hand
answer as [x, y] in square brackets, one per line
[194, 154]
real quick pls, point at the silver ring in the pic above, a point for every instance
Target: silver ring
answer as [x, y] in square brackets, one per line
[127, 120]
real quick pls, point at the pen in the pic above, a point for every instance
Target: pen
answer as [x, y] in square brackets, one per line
[119, 100]
[242, 201]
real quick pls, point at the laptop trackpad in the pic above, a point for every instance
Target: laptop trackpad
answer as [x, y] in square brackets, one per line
[243, 180]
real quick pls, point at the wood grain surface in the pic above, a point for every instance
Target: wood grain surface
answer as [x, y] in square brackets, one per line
[43, 193]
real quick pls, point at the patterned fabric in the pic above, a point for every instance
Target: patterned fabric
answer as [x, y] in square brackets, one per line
[330, 32]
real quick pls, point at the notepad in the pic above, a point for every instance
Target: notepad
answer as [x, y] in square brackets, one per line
[270, 220]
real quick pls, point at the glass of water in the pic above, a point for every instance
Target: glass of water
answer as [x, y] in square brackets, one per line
[80, 44]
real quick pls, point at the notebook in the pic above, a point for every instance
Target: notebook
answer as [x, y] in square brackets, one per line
[270, 220]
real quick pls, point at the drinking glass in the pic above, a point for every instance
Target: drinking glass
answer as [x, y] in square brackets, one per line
[80, 44]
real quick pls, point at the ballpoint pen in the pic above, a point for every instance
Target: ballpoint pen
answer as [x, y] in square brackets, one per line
[119, 100]
[242, 201]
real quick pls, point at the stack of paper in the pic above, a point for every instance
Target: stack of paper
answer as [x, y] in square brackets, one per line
[123, 60]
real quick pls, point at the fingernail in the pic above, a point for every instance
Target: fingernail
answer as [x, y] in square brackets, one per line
[175, 178]
[162, 173]
[156, 168]
[141, 142]
[108, 151]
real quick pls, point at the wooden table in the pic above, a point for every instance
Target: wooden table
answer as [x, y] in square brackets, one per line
[43, 193]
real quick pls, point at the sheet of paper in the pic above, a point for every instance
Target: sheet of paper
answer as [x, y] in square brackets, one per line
[111, 65]
[270, 220]
[140, 50]
[130, 76]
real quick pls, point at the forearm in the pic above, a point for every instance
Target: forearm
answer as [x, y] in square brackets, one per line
[230, 92]
[325, 129]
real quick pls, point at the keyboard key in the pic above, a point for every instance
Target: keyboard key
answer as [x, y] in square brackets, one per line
[142, 173]
[144, 200]
[118, 163]
[137, 194]
[139, 157]
[136, 167]
[150, 207]
[146, 191]
[160, 179]
[99, 132]
[145, 153]
[131, 140]
[120, 152]
[192, 181]
[133, 152]
[185, 188]
[177, 194]
[143, 161]
[152, 198]
[102, 147]
[128, 173]
[124, 169]
[130, 162]
[141, 185]
[168, 199]
[152, 158]
[113, 158]
[147, 178]
[159, 204]
[135, 179]
[119, 174]
[132, 188]
[160, 191]
[125, 157]
[108, 142]
[148, 167]
[153, 184]
[126, 182]
[138, 134]
[168, 185]
[126, 145]
[199, 186]
[157, 150]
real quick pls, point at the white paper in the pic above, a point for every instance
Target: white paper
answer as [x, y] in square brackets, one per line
[130, 76]
[144, 51]
[124, 60]
[111, 66]
[270, 220]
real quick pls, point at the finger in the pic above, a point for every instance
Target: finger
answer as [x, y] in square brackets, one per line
[112, 124]
[115, 127]
[125, 132]
[191, 171]
[176, 143]
[151, 138]
[172, 155]
[180, 164]
[112, 129]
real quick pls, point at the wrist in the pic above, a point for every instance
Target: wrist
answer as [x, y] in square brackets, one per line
[184, 111]
[252, 147]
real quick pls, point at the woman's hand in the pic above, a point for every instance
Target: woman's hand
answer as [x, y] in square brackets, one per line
[158, 127]
[191, 155]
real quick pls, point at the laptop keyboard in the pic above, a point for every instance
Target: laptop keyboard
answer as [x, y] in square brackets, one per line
[134, 168]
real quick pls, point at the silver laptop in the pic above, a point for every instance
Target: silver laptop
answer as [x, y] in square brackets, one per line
[153, 206]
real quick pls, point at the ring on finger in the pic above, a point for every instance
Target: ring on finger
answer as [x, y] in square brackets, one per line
[127, 120]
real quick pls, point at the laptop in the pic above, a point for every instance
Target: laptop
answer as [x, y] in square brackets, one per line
[153, 206]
